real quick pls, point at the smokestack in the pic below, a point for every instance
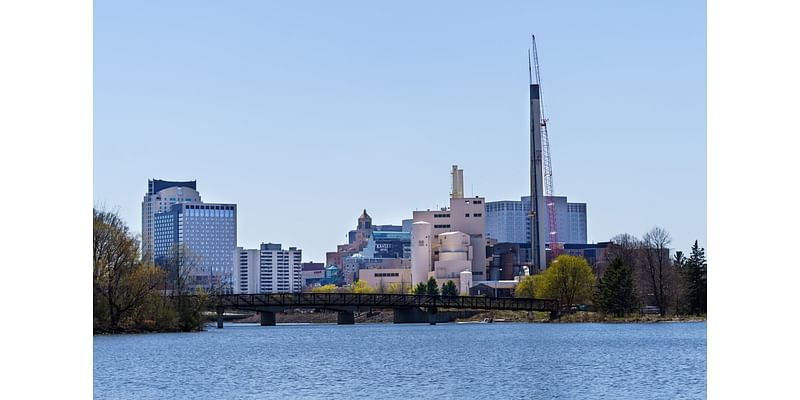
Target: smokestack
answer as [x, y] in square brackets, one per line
[458, 183]
[538, 257]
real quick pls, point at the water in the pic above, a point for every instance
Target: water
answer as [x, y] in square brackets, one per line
[501, 360]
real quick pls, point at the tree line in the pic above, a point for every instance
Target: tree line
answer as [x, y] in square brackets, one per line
[132, 294]
[636, 273]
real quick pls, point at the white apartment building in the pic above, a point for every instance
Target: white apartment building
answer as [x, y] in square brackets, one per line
[246, 271]
[268, 269]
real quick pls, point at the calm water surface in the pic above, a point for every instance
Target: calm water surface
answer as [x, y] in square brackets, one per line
[501, 360]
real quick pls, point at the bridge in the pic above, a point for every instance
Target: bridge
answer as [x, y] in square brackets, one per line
[406, 307]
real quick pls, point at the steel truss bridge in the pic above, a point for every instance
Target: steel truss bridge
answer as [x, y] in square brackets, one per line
[406, 307]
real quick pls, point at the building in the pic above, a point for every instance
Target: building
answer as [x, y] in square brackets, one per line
[245, 275]
[596, 254]
[507, 221]
[312, 273]
[382, 278]
[451, 240]
[280, 270]
[200, 239]
[371, 247]
[160, 196]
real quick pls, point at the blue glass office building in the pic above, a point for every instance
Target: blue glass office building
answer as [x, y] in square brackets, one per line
[207, 233]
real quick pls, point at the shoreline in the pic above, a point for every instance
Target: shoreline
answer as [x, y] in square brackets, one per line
[386, 317]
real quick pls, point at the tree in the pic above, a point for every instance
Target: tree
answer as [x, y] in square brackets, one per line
[122, 282]
[394, 288]
[615, 292]
[695, 278]
[568, 279]
[362, 287]
[657, 264]
[421, 288]
[449, 289]
[679, 290]
[525, 287]
[330, 288]
[432, 289]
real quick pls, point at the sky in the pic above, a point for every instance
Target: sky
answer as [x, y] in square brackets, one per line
[304, 113]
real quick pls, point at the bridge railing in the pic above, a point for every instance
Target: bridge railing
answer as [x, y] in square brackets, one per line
[378, 300]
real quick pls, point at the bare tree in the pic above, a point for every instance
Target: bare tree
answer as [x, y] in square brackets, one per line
[121, 280]
[657, 262]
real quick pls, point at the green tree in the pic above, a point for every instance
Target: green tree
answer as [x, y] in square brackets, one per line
[615, 292]
[421, 288]
[568, 279]
[362, 287]
[449, 289]
[525, 287]
[394, 288]
[695, 278]
[329, 288]
[432, 289]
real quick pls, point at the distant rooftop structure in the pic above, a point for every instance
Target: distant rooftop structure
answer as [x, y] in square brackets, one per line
[157, 185]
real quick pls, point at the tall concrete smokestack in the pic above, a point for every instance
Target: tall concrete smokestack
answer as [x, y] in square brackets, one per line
[538, 257]
[458, 183]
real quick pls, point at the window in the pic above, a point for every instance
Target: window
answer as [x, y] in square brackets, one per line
[477, 215]
[466, 215]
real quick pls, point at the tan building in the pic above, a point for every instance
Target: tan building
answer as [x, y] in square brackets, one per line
[381, 278]
[446, 242]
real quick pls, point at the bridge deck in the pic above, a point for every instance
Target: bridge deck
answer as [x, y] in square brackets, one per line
[325, 300]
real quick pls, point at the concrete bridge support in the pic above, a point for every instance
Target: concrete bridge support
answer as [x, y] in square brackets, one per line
[220, 312]
[267, 318]
[410, 315]
[345, 318]
[432, 315]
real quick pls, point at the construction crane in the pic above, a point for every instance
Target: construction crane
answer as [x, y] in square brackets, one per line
[547, 167]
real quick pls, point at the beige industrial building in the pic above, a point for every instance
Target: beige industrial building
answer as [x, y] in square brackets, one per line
[448, 242]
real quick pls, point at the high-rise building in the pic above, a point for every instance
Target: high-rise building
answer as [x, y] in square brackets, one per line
[280, 271]
[160, 196]
[245, 274]
[269, 269]
[508, 221]
[201, 239]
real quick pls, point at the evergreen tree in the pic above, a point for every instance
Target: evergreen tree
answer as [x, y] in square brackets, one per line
[432, 288]
[420, 288]
[695, 276]
[449, 289]
[615, 290]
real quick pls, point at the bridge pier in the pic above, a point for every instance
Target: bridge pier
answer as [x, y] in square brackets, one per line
[408, 315]
[220, 311]
[267, 318]
[345, 318]
[432, 315]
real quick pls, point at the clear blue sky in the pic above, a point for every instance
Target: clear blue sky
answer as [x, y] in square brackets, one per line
[304, 113]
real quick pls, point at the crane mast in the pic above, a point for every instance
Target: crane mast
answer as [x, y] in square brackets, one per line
[547, 167]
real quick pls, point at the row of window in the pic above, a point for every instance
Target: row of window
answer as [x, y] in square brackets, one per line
[444, 226]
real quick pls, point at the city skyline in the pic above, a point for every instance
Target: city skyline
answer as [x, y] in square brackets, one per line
[228, 105]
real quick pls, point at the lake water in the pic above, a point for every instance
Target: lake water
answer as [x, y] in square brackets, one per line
[406, 361]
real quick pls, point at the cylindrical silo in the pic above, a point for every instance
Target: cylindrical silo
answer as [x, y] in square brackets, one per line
[465, 281]
[420, 251]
